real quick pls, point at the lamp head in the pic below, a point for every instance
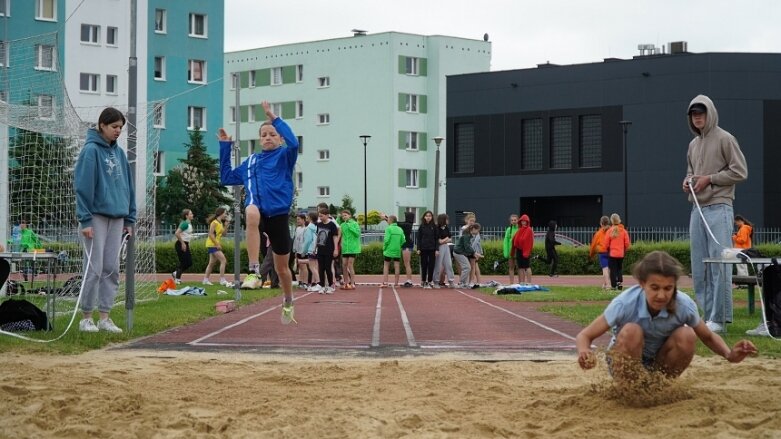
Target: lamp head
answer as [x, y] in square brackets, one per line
[365, 138]
[438, 140]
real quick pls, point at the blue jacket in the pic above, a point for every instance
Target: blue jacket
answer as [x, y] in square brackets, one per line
[103, 182]
[267, 176]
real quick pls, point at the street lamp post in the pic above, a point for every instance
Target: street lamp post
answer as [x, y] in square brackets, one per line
[365, 138]
[625, 127]
[438, 140]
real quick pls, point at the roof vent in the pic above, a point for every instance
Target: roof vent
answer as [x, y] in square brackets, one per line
[678, 47]
[648, 49]
[358, 32]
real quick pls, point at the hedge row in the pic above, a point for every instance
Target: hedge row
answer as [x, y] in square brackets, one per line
[572, 260]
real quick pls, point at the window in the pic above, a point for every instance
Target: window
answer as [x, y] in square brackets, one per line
[464, 148]
[111, 36]
[531, 144]
[5, 8]
[323, 191]
[160, 21]
[4, 96]
[46, 107]
[276, 109]
[561, 143]
[252, 78]
[323, 154]
[300, 73]
[196, 118]
[234, 81]
[197, 25]
[4, 50]
[46, 10]
[160, 68]
[159, 163]
[412, 66]
[300, 144]
[299, 109]
[196, 71]
[90, 33]
[46, 59]
[324, 81]
[233, 114]
[412, 103]
[412, 178]
[158, 115]
[323, 119]
[591, 141]
[88, 82]
[412, 141]
[111, 84]
[299, 180]
[276, 76]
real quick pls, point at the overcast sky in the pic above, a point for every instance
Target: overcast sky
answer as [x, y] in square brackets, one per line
[523, 33]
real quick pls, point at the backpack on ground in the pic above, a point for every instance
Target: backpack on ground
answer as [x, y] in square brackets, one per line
[771, 297]
[22, 315]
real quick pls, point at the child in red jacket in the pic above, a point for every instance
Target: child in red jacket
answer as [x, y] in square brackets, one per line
[523, 241]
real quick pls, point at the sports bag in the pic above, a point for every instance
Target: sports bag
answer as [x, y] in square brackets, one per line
[771, 296]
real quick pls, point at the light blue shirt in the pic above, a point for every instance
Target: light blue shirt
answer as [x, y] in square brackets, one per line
[631, 307]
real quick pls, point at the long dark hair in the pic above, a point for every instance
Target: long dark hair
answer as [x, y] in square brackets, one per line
[442, 220]
[110, 115]
[217, 213]
[746, 222]
[423, 220]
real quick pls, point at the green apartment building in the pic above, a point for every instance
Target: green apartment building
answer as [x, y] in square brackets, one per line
[390, 86]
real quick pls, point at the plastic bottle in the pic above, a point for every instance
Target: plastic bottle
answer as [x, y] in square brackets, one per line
[16, 239]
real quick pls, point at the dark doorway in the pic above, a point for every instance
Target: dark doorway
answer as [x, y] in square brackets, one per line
[577, 211]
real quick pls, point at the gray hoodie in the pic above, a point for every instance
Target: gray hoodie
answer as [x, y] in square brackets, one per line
[716, 153]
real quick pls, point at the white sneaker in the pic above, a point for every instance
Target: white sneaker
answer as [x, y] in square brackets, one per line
[225, 283]
[329, 290]
[251, 282]
[207, 282]
[108, 326]
[315, 288]
[87, 325]
[760, 331]
[714, 327]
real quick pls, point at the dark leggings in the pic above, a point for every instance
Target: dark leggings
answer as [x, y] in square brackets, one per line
[427, 258]
[616, 266]
[553, 260]
[185, 258]
[324, 268]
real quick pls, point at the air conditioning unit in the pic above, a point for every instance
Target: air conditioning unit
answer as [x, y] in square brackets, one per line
[678, 47]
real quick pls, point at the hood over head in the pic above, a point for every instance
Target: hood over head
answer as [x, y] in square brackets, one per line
[697, 104]
[524, 217]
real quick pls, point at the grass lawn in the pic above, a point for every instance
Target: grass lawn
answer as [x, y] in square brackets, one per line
[583, 304]
[149, 318]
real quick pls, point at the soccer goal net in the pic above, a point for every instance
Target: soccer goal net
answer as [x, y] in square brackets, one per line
[41, 134]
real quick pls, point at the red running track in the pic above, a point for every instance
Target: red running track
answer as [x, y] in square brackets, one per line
[372, 320]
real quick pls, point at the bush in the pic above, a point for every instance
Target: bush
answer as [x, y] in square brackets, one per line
[572, 260]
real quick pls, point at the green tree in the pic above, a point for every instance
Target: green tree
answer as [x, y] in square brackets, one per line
[200, 188]
[347, 204]
[41, 178]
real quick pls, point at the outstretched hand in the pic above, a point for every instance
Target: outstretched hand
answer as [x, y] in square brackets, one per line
[267, 108]
[223, 135]
[741, 350]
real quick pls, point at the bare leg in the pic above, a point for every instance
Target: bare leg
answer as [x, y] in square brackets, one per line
[627, 353]
[285, 277]
[472, 271]
[223, 262]
[210, 265]
[511, 264]
[303, 272]
[313, 267]
[385, 269]
[253, 235]
[396, 270]
[606, 278]
[406, 256]
[677, 352]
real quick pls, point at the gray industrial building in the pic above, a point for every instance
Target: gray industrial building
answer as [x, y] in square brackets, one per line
[549, 142]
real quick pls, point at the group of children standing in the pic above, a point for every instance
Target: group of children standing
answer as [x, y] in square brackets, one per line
[610, 243]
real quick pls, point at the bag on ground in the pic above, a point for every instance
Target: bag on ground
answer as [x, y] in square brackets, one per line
[14, 315]
[771, 296]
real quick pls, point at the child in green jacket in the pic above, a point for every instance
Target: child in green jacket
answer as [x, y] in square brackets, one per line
[508, 245]
[351, 247]
[391, 249]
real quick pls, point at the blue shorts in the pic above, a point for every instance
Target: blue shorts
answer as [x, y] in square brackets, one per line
[212, 250]
[603, 260]
[408, 246]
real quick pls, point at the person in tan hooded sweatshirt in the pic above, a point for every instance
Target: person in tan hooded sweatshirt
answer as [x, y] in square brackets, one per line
[714, 165]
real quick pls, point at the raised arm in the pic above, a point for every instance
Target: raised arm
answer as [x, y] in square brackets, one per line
[228, 175]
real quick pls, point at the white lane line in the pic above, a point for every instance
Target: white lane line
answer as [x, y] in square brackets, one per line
[404, 320]
[377, 315]
[548, 328]
[242, 321]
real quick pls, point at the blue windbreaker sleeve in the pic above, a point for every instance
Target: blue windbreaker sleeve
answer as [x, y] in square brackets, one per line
[228, 175]
[290, 140]
[84, 183]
